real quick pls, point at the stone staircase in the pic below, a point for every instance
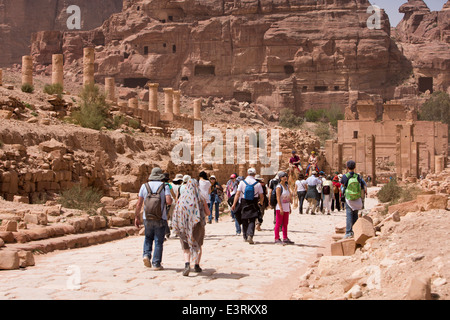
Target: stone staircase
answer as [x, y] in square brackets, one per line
[17, 248]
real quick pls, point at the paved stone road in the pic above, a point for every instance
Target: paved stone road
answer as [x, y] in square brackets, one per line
[232, 268]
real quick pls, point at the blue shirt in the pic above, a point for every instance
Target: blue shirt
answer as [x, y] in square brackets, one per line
[154, 186]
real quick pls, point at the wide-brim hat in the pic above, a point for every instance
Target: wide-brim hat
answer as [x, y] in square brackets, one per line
[178, 177]
[156, 175]
[259, 178]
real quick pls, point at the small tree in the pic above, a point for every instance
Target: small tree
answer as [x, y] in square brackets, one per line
[93, 112]
[288, 119]
[437, 108]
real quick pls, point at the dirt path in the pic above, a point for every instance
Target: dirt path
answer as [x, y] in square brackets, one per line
[232, 268]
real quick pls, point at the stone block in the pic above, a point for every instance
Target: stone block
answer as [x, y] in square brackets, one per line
[336, 249]
[345, 247]
[54, 211]
[432, 201]
[9, 225]
[21, 199]
[363, 229]
[419, 289]
[36, 218]
[26, 259]
[404, 208]
[9, 260]
[7, 236]
[348, 246]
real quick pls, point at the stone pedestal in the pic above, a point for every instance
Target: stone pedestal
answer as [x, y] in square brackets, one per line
[133, 103]
[198, 109]
[153, 96]
[176, 102]
[110, 89]
[88, 66]
[27, 70]
[58, 69]
[439, 164]
[168, 95]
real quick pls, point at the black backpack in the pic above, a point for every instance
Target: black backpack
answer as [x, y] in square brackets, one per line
[326, 190]
[273, 195]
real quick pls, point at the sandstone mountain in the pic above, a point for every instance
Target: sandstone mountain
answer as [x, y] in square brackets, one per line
[20, 18]
[424, 38]
[295, 54]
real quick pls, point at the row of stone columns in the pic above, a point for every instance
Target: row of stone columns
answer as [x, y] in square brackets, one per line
[171, 101]
[172, 97]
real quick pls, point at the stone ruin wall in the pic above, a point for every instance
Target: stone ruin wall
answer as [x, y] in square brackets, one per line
[397, 145]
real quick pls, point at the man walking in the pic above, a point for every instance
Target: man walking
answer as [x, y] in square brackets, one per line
[352, 184]
[155, 196]
[248, 194]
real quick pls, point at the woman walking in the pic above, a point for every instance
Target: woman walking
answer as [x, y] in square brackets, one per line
[215, 190]
[301, 191]
[189, 220]
[283, 209]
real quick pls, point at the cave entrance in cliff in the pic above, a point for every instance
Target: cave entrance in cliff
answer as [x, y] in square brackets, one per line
[425, 84]
[135, 82]
[243, 96]
[205, 70]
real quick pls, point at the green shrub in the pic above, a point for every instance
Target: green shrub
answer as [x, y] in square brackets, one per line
[331, 115]
[393, 193]
[135, 124]
[54, 89]
[437, 108]
[27, 88]
[288, 119]
[323, 132]
[314, 115]
[93, 111]
[390, 192]
[80, 198]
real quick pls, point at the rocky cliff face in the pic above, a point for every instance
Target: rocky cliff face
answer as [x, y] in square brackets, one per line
[295, 54]
[424, 38]
[20, 18]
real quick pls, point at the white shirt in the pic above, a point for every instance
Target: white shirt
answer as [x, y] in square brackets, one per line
[313, 181]
[301, 185]
[204, 186]
[285, 199]
[251, 181]
[154, 186]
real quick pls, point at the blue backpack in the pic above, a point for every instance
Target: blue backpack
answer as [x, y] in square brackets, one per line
[249, 192]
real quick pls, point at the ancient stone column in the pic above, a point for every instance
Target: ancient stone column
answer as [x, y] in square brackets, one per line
[1, 77]
[27, 70]
[176, 102]
[168, 95]
[88, 65]
[198, 109]
[439, 164]
[110, 89]
[133, 103]
[58, 69]
[153, 96]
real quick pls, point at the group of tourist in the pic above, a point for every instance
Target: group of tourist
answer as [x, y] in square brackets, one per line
[186, 206]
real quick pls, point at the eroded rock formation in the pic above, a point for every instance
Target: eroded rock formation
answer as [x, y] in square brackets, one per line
[20, 18]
